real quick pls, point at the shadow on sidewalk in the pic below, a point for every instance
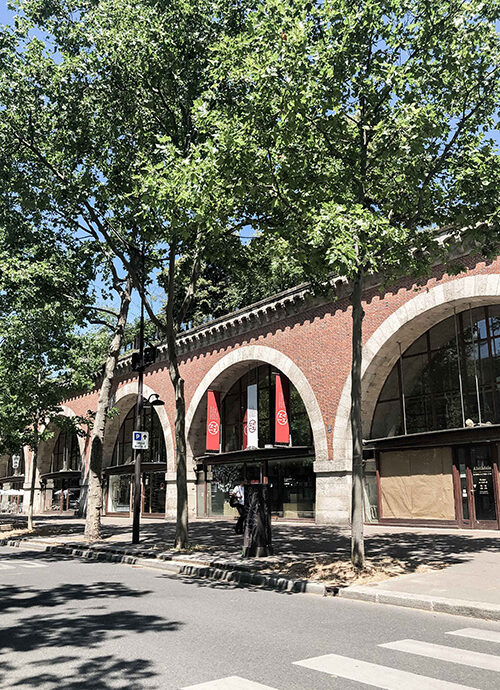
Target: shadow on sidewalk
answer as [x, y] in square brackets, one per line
[298, 541]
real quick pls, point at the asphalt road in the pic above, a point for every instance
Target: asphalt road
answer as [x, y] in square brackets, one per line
[76, 624]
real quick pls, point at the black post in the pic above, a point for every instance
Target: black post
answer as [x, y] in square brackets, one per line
[138, 423]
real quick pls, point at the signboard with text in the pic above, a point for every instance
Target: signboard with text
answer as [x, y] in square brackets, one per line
[140, 440]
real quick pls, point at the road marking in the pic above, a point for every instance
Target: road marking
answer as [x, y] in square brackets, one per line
[478, 634]
[230, 683]
[24, 564]
[443, 653]
[375, 675]
[30, 564]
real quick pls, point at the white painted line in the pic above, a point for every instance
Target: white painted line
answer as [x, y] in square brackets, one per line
[30, 564]
[478, 634]
[377, 676]
[231, 683]
[443, 653]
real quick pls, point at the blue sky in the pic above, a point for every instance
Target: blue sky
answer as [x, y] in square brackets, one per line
[5, 14]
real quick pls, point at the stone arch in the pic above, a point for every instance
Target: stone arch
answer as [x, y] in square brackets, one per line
[123, 400]
[403, 327]
[227, 371]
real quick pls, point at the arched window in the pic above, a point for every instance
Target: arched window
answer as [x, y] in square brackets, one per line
[123, 453]
[234, 407]
[66, 453]
[448, 375]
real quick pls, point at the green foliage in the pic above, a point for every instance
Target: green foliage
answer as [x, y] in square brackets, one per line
[255, 270]
[44, 353]
[362, 128]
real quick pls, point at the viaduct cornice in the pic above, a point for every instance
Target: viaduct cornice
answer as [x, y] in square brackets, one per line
[271, 309]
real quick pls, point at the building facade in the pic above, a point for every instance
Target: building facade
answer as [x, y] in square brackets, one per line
[268, 399]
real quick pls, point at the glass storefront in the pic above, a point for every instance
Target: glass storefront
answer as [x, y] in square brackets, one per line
[62, 494]
[286, 467]
[154, 491]
[120, 480]
[66, 453]
[292, 486]
[61, 484]
[118, 493]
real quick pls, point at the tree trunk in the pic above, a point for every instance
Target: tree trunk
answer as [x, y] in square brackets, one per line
[94, 492]
[182, 524]
[357, 543]
[34, 462]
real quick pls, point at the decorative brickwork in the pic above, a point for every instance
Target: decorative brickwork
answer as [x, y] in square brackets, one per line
[309, 339]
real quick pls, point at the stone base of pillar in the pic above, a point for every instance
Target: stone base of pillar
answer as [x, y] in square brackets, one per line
[333, 495]
[171, 497]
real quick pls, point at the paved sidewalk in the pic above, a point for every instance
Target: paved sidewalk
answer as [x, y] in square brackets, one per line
[467, 578]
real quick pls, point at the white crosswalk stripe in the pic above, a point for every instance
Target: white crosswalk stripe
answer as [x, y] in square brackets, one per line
[31, 564]
[444, 653]
[230, 683]
[375, 675]
[23, 564]
[478, 634]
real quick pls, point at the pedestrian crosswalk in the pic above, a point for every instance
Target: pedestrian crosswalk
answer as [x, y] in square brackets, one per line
[230, 683]
[12, 565]
[375, 675]
[487, 662]
[386, 677]
[476, 634]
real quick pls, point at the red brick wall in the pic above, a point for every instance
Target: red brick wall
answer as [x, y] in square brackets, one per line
[317, 340]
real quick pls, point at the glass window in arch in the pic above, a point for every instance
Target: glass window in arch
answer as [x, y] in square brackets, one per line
[234, 407]
[123, 453]
[66, 453]
[448, 375]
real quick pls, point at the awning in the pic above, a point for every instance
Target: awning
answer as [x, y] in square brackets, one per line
[441, 437]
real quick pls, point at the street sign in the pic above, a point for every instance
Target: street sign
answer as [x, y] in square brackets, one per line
[140, 440]
[16, 459]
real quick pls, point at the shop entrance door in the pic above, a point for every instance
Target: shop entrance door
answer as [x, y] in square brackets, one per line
[476, 476]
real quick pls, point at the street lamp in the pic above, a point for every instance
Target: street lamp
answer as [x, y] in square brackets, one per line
[139, 364]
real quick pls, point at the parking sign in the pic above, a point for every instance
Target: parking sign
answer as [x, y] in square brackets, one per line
[140, 440]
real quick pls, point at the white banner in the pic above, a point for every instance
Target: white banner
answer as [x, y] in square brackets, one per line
[252, 417]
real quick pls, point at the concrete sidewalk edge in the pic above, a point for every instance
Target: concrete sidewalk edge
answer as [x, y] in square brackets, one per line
[456, 607]
[237, 574]
[215, 570]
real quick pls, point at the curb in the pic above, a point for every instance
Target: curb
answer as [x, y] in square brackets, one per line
[237, 573]
[456, 607]
[177, 565]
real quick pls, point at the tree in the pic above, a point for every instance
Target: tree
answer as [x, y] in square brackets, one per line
[361, 130]
[118, 86]
[43, 352]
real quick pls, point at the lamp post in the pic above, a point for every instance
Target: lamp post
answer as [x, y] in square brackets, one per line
[138, 427]
[139, 366]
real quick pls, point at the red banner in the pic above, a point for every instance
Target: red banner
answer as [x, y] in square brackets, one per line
[213, 421]
[281, 421]
[245, 434]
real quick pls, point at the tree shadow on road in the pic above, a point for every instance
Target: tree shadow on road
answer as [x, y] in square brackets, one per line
[99, 673]
[48, 622]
